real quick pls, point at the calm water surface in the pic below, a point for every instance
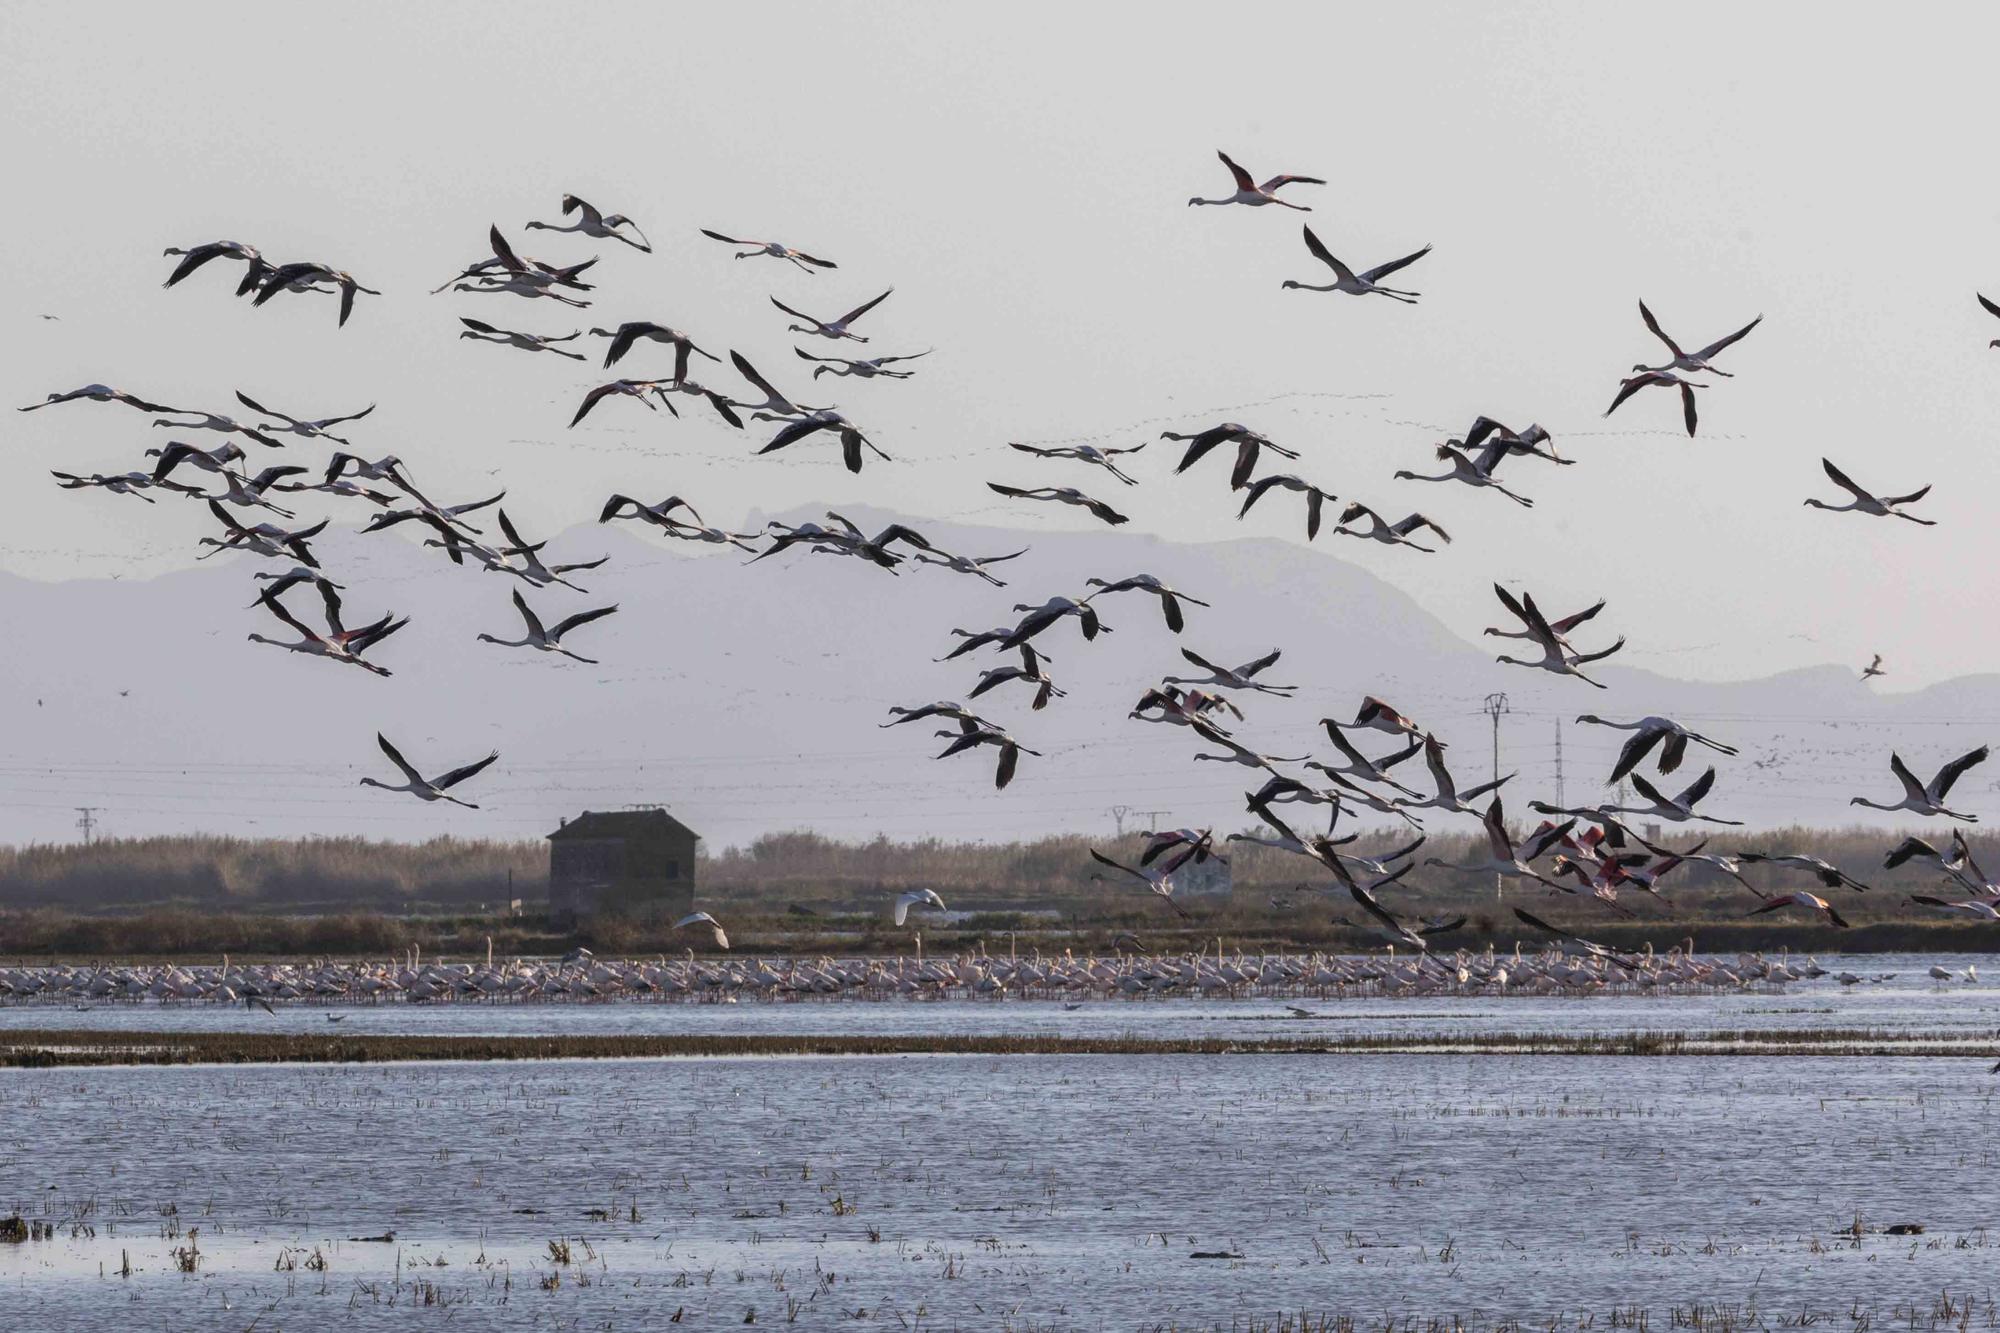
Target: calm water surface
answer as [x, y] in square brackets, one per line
[954, 1192]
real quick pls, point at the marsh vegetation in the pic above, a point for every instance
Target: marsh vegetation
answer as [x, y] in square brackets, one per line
[804, 893]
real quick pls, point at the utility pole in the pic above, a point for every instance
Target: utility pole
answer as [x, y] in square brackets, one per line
[1560, 799]
[1496, 704]
[1152, 818]
[86, 820]
[1118, 813]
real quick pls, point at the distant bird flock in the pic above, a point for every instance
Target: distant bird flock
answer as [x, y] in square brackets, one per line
[1566, 965]
[1592, 854]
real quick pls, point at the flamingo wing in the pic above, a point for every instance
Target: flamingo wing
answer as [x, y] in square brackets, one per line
[396, 758]
[277, 608]
[369, 635]
[256, 406]
[1538, 625]
[1268, 659]
[1496, 832]
[749, 372]
[1104, 860]
[1727, 339]
[1842, 480]
[1636, 748]
[1628, 387]
[1661, 333]
[1321, 253]
[1908, 848]
[533, 621]
[797, 430]
[503, 251]
[1581, 658]
[1673, 751]
[567, 624]
[1440, 775]
[458, 775]
[1404, 527]
[1543, 839]
[1941, 784]
[1649, 791]
[1570, 622]
[1381, 271]
[596, 396]
[1375, 909]
[1697, 789]
[1108, 514]
[201, 254]
[1508, 600]
[331, 598]
[1202, 662]
[863, 308]
[1912, 788]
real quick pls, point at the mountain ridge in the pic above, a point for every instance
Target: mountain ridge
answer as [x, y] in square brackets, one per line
[751, 698]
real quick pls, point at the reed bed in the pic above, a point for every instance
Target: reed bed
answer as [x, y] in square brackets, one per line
[790, 873]
[271, 873]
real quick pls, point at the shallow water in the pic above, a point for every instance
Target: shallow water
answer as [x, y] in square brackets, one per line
[1030, 1192]
[1910, 1000]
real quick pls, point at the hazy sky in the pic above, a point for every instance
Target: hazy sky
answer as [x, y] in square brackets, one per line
[1019, 175]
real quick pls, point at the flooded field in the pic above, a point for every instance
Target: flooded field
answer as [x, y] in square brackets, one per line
[1024, 1193]
[1086, 1190]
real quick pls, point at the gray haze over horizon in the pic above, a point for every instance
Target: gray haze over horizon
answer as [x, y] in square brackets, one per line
[1020, 178]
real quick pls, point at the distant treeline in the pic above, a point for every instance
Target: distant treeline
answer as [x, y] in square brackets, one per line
[806, 872]
[1057, 873]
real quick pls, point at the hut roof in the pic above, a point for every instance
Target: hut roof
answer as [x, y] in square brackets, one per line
[623, 824]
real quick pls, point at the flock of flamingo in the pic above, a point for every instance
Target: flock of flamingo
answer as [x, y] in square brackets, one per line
[1592, 854]
[1568, 968]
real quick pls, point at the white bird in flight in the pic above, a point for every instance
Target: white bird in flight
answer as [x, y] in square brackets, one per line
[704, 919]
[916, 898]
